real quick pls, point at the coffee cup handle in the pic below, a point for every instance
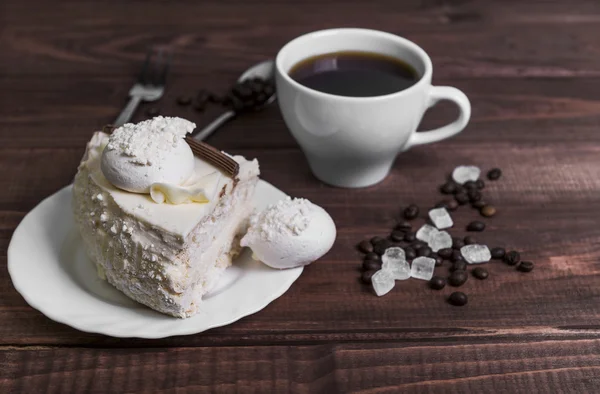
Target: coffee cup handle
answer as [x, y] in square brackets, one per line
[437, 93]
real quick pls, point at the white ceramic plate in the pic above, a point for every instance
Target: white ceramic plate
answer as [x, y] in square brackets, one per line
[49, 267]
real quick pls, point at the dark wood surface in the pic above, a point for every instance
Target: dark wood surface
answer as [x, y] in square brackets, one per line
[531, 70]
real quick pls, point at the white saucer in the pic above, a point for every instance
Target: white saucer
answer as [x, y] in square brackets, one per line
[49, 267]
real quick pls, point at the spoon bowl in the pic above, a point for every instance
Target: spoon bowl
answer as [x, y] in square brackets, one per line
[264, 70]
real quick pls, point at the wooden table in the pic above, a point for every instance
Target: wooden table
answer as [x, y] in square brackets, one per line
[532, 73]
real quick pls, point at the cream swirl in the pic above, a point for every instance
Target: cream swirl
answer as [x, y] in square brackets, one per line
[202, 190]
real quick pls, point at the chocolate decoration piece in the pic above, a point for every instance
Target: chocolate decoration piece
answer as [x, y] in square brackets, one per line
[214, 157]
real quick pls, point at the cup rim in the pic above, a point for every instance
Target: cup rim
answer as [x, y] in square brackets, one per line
[376, 33]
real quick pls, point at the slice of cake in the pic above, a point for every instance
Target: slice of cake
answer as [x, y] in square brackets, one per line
[160, 223]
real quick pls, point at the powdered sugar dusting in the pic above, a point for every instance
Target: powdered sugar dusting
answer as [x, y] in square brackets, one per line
[289, 216]
[151, 140]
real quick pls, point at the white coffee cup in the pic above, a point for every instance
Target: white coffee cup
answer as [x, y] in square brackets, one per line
[353, 141]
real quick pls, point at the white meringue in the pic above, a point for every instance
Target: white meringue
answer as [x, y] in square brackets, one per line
[290, 233]
[153, 151]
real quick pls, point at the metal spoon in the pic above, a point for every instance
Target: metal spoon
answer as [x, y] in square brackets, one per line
[264, 70]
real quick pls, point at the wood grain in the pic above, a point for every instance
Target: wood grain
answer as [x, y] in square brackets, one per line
[531, 71]
[503, 40]
[335, 368]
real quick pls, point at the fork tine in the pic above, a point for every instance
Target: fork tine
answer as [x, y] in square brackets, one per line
[162, 78]
[143, 77]
[155, 67]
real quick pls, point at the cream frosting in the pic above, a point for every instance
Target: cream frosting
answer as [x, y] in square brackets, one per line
[201, 190]
[154, 151]
[290, 233]
[175, 219]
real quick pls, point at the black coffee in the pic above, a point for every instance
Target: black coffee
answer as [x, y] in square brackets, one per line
[354, 74]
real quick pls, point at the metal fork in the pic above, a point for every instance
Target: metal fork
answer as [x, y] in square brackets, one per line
[150, 85]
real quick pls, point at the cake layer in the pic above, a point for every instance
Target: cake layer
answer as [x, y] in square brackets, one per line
[164, 256]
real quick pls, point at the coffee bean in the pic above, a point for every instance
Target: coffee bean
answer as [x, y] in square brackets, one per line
[410, 253]
[261, 98]
[418, 245]
[448, 188]
[494, 174]
[213, 98]
[461, 198]
[474, 195]
[442, 204]
[512, 258]
[184, 100]
[257, 87]
[525, 266]
[226, 101]
[250, 104]
[480, 273]
[411, 212]
[269, 90]
[445, 253]
[365, 246]
[235, 89]
[476, 226]
[152, 112]
[372, 256]
[438, 259]
[452, 205]
[381, 246]
[410, 236]
[258, 80]
[458, 298]
[366, 276]
[460, 265]
[369, 265]
[457, 243]
[236, 104]
[457, 256]
[457, 278]
[487, 211]
[480, 184]
[376, 239]
[478, 204]
[403, 225]
[497, 253]
[242, 91]
[425, 251]
[437, 283]
[397, 236]
[199, 107]
[470, 185]
[470, 240]
[460, 190]
[203, 96]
